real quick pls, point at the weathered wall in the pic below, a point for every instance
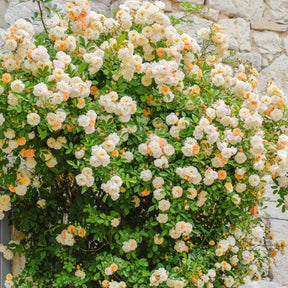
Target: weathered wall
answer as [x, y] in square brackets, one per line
[258, 31]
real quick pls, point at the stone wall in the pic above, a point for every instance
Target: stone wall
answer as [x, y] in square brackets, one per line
[258, 33]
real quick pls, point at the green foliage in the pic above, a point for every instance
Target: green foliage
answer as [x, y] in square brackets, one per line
[132, 156]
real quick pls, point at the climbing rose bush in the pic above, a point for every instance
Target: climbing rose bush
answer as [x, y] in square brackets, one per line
[133, 156]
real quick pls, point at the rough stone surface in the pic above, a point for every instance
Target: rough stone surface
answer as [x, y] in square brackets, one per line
[199, 2]
[279, 269]
[276, 72]
[262, 284]
[248, 9]
[238, 31]
[277, 10]
[278, 223]
[2, 31]
[101, 6]
[18, 262]
[211, 14]
[267, 42]
[3, 8]
[192, 28]
[265, 62]
[251, 57]
[264, 24]
[285, 42]
[18, 10]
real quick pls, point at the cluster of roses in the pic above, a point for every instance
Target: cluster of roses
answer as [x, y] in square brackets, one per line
[184, 125]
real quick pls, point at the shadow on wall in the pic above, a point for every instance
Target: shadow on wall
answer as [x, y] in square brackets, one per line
[5, 266]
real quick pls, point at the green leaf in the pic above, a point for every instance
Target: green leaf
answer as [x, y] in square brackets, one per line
[121, 39]
[71, 163]
[82, 67]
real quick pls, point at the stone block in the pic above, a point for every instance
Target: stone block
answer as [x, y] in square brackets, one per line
[199, 2]
[192, 28]
[238, 31]
[251, 57]
[3, 8]
[285, 42]
[248, 9]
[264, 24]
[277, 71]
[102, 6]
[211, 14]
[278, 223]
[262, 284]
[278, 10]
[168, 6]
[280, 266]
[2, 43]
[265, 62]
[18, 10]
[267, 42]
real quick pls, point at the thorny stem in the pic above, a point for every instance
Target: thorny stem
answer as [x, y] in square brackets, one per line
[208, 233]
[94, 250]
[41, 16]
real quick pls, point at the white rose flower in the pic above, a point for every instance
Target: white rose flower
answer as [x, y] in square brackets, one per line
[177, 191]
[79, 154]
[169, 150]
[17, 86]
[180, 246]
[81, 179]
[81, 274]
[240, 158]
[128, 156]
[108, 145]
[229, 281]
[236, 199]
[204, 123]
[8, 283]
[162, 218]
[33, 119]
[12, 99]
[164, 205]
[142, 148]
[211, 113]
[21, 189]
[157, 182]
[40, 89]
[146, 175]
[244, 113]
[204, 33]
[254, 180]
[108, 271]
[258, 233]
[240, 187]
[2, 119]
[234, 260]
[8, 254]
[276, 115]
[41, 203]
[115, 222]
[157, 240]
[159, 194]
[171, 119]
[174, 234]
[83, 120]
[174, 131]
